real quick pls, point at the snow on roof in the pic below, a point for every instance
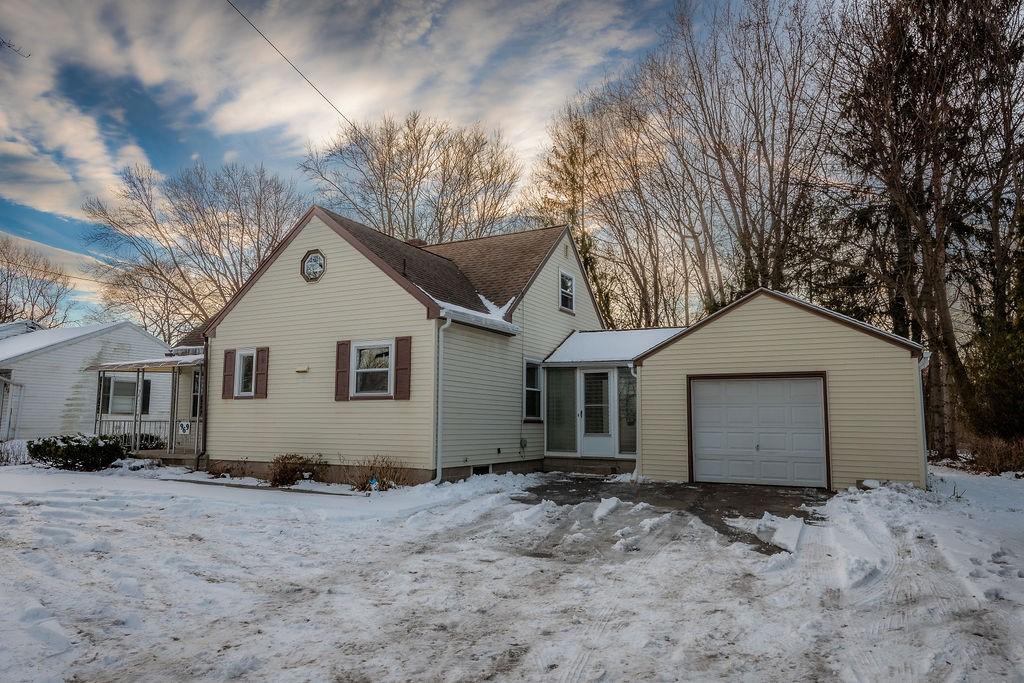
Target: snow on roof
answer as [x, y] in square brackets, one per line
[598, 346]
[152, 364]
[13, 347]
[494, 319]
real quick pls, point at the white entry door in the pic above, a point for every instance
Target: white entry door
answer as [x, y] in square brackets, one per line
[597, 400]
[759, 431]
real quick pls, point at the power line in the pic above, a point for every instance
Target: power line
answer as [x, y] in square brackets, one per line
[290, 63]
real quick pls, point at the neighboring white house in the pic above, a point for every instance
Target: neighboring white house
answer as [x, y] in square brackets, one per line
[45, 388]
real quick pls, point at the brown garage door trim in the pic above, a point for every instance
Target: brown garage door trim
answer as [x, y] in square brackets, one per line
[759, 375]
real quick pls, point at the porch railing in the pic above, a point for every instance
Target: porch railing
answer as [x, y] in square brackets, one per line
[177, 436]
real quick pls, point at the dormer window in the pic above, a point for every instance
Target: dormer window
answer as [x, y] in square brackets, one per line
[566, 291]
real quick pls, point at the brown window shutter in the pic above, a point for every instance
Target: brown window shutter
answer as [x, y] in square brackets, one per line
[403, 367]
[227, 389]
[262, 370]
[341, 360]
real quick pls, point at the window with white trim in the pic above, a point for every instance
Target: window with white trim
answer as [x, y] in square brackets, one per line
[117, 396]
[245, 372]
[373, 368]
[533, 391]
[566, 291]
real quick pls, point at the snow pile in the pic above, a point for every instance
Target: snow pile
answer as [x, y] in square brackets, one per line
[605, 508]
[14, 452]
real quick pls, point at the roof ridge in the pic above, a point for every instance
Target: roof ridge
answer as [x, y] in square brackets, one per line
[338, 216]
[488, 237]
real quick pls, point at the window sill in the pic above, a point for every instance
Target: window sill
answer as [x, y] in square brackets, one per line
[242, 398]
[568, 311]
[364, 397]
[533, 420]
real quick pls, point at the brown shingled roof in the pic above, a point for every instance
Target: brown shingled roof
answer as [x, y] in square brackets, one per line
[193, 338]
[501, 266]
[436, 275]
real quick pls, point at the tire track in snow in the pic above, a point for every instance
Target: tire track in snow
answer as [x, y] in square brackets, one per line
[600, 626]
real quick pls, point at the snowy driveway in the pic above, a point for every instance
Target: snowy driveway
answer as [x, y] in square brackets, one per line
[115, 578]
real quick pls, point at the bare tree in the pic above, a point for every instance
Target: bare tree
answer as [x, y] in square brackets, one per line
[32, 287]
[418, 178]
[929, 122]
[180, 248]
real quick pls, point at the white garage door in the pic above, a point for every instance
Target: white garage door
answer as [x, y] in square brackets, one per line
[758, 431]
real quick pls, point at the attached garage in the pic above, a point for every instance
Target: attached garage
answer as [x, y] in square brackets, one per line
[773, 390]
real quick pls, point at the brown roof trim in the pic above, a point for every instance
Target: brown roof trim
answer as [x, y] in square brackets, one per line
[915, 349]
[433, 310]
[547, 257]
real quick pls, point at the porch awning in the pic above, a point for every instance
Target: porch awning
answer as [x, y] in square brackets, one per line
[609, 346]
[162, 364]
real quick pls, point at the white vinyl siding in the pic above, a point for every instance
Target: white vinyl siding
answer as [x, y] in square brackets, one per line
[60, 394]
[301, 324]
[483, 391]
[874, 414]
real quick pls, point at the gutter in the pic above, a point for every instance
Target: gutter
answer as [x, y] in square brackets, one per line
[638, 464]
[438, 402]
[922, 365]
[481, 320]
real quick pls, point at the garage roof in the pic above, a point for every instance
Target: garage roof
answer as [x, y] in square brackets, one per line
[605, 346]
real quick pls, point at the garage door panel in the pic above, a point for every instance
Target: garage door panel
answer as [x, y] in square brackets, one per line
[809, 442]
[805, 390]
[708, 441]
[740, 415]
[740, 391]
[708, 415]
[772, 392]
[740, 441]
[763, 431]
[769, 441]
[806, 416]
[768, 416]
[707, 392]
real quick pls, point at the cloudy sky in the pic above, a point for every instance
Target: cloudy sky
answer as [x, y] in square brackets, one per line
[165, 82]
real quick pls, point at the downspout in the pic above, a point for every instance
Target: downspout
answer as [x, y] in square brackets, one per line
[637, 469]
[204, 399]
[438, 399]
[922, 365]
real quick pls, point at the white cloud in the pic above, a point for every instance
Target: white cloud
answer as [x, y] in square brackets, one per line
[508, 65]
[230, 156]
[73, 263]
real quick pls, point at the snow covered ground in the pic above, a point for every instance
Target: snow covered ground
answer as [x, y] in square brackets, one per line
[136, 577]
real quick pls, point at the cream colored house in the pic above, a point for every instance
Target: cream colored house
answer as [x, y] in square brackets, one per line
[490, 355]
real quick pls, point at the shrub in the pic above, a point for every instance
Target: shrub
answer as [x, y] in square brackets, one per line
[147, 442]
[288, 468]
[378, 473]
[992, 455]
[77, 451]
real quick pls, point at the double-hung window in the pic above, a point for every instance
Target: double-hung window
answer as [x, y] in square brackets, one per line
[533, 391]
[245, 372]
[566, 291]
[372, 368]
[117, 396]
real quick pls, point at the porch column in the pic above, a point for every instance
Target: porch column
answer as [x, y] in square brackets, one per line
[99, 402]
[172, 413]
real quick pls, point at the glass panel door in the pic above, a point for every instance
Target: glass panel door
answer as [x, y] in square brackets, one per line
[560, 418]
[627, 411]
[595, 403]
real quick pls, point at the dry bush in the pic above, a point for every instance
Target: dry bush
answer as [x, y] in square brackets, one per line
[289, 468]
[992, 455]
[379, 473]
[218, 468]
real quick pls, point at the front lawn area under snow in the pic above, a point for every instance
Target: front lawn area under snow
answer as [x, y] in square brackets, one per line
[134, 577]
